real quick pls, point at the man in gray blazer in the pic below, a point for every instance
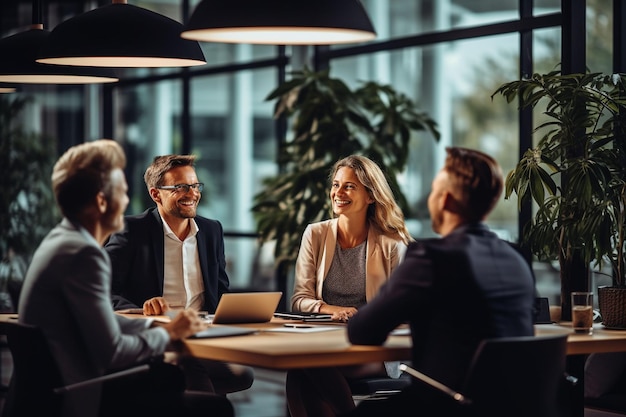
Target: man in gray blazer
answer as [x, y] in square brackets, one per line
[66, 293]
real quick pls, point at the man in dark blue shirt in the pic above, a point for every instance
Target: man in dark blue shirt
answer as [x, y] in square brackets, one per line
[454, 291]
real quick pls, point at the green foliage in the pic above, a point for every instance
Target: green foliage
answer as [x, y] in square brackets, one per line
[27, 207]
[576, 173]
[330, 121]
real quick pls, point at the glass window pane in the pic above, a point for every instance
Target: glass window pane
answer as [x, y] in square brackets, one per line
[147, 124]
[234, 138]
[600, 36]
[541, 7]
[399, 18]
[453, 83]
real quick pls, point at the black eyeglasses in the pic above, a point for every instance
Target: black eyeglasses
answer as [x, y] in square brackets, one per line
[183, 187]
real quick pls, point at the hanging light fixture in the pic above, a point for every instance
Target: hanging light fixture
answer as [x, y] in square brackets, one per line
[280, 22]
[7, 88]
[120, 35]
[18, 63]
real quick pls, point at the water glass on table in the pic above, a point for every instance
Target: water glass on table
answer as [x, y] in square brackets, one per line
[582, 312]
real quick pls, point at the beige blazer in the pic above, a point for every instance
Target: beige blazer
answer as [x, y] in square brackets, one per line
[316, 255]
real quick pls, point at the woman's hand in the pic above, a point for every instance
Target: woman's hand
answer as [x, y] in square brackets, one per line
[338, 313]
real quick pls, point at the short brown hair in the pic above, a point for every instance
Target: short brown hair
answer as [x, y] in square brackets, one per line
[476, 179]
[83, 171]
[154, 174]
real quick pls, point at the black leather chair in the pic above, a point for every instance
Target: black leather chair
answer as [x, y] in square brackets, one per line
[36, 386]
[611, 403]
[376, 388]
[513, 377]
[36, 383]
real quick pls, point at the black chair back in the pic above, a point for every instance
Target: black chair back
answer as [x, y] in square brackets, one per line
[518, 376]
[35, 374]
[152, 388]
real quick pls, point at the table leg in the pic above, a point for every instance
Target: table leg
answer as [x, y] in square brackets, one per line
[575, 366]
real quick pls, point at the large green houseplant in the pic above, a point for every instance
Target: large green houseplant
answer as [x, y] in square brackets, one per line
[27, 209]
[330, 121]
[575, 174]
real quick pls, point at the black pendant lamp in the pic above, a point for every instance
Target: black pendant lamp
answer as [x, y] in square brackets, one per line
[280, 22]
[120, 35]
[18, 63]
[7, 88]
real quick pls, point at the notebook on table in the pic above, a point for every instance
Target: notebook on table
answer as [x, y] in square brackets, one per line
[246, 307]
[222, 331]
[310, 317]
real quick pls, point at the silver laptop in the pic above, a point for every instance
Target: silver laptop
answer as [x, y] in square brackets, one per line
[246, 307]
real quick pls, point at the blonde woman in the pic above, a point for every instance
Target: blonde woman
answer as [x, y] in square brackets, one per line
[341, 265]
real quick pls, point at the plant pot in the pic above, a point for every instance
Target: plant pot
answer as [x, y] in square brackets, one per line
[612, 303]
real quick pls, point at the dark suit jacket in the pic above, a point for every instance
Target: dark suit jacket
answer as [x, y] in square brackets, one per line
[454, 292]
[137, 258]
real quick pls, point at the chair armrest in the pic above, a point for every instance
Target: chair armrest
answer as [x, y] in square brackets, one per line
[457, 396]
[570, 379]
[103, 378]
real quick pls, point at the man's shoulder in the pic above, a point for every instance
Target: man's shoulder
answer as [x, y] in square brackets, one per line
[62, 241]
[421, 247]
[451, 242]
[209, 226]
[201, 220]
[463, 244]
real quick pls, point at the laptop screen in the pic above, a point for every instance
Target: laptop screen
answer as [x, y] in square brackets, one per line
[247, 307]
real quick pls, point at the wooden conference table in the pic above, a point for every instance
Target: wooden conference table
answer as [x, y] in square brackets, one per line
[283, 351]
[277, 347]
[274, 346]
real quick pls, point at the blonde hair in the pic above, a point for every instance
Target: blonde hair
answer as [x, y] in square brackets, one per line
[83, 171]
[384, 212]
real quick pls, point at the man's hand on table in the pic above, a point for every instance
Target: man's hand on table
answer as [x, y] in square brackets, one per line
[184, 324]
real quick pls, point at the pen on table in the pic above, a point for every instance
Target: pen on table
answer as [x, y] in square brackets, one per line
[297, 326]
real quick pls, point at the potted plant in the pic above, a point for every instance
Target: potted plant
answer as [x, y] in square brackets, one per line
[27, 209]
[576, 176]
[330, 121]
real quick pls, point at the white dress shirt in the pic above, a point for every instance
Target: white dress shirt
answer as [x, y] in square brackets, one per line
[182, 279]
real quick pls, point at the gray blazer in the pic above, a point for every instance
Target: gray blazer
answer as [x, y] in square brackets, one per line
[66, 293]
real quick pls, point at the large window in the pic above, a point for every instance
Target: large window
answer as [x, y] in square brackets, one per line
[449, 56]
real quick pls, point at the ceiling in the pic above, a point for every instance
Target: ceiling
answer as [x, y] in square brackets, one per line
[16, 15]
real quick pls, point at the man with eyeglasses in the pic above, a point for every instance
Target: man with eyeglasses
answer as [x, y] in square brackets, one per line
[169, 258]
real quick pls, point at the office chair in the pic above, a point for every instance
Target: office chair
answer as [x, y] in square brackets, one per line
[513, 377]
[612, 403]
[36, 384]
[376, 388]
